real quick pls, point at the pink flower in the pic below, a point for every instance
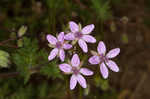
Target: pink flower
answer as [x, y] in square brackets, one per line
[81, 35]
[59, 45]
[74, 69]
[105, 60]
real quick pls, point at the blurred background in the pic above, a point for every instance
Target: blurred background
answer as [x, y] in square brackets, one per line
[25, 72]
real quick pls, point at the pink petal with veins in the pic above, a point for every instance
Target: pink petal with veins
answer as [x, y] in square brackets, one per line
[75, 61]
[83, 45]
[89, 39]
[86, 72]
[73, 27]
[51, 39]
[88, 29]
[53, 54]
[101, 48]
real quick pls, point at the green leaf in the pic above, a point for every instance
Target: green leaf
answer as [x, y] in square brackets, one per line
[102, 9]
[51, 70]
[4, 59]
[23, 93]
[26, 57]
[22, 31]
[20, 43]
[102, 83]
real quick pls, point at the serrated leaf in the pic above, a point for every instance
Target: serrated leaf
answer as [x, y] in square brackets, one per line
[51, 70]
[26, 57]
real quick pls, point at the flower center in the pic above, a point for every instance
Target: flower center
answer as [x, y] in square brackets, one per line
[58, 44]
[103, 58]
[75, 70]
[78, 35]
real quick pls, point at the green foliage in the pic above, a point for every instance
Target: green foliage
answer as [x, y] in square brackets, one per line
[13, 88]
[22, 30]
[4, 90]
[43, 90]
[26, 57]
[23, 93]
[51, 69]
[20, 42]
[102, 9]
[7, 87]
[57, 92]
[102, 83]
[4, 59]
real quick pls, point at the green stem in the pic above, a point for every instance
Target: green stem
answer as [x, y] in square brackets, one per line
[68, 89]
[80, 92]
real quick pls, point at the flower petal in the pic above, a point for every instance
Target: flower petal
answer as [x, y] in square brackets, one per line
[65, 68]
[73, 82]
[69, 36]
[94, 60]
[60, 37]
[88, 29]
[81, 80]
[53, 54]
[89, 38]
[104, 70]
[73, 27]
[51, 39]
[67, 46]
[83, 45]
[112, 65]
[62, 55]
[75, 61]
[101, 48]
[86, 72]
[113, 53]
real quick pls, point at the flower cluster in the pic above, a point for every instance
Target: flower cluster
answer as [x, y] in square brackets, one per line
[82, 36]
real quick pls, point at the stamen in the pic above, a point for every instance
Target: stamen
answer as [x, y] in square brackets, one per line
[75, 70]
[78, 35]
[103, 58]
[58, 45]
